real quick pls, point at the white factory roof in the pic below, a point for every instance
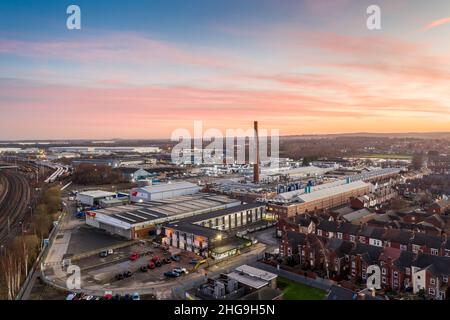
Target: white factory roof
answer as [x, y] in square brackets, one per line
[323, 193]
[291, 194]
[169, 187]
[247, 280]
[96, 194]
[375, 173]
[352, 178]
[300, 171]
[164, 210]
[255, 272]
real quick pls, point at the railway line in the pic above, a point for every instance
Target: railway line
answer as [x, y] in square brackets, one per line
[15, 199]
[19, 190]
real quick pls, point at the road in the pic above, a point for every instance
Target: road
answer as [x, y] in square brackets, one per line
[15, 198]
[163, 289]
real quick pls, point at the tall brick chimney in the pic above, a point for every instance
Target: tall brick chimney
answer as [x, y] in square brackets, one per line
[256, 164]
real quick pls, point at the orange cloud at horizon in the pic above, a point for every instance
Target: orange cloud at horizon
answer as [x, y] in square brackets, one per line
[342, 84]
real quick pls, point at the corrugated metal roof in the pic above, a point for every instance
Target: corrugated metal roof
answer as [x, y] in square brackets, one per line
[96, 193]
[324, 193]
[168, 187]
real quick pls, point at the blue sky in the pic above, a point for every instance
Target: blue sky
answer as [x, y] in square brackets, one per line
[149, 67]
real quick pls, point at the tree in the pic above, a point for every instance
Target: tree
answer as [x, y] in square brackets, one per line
[52, 199]
[307, 160]
[87, 174]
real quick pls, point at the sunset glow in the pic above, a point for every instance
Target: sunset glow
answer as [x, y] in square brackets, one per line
[304, 68]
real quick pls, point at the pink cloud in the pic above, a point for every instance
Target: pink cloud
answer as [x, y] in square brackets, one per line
[436, 23]
[130, 48]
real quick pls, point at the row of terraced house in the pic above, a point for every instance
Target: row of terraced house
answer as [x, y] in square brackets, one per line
[409, 261]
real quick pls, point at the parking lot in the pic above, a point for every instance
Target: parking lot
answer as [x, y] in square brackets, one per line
[85, 238]
[105, 271]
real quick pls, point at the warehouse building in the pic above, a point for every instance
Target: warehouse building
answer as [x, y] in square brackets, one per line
[325, 198]
[209, 234]
[163, 191]
[94, 197]
[140, 219]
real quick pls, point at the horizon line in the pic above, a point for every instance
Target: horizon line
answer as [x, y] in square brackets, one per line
[169, 139]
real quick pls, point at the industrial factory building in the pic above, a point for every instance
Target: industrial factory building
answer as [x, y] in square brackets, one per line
[208, 234]
[163, 191]
[140, 219]
[329, 195]
[93, 197]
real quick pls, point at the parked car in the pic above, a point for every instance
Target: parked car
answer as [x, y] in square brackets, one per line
[119, 276]
[71, 296]
[127, 274]
[194, 261]
[103, 254]
[171, 274]
[135, 296]
[144, 269]
[108, 295]
[180, 270]
[127, 296]
[79, 296]
[134, 256]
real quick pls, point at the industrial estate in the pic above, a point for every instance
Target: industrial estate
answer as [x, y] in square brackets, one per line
[137, 226]
[222, 158]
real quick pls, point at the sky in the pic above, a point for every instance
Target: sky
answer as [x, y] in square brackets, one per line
[142, 69]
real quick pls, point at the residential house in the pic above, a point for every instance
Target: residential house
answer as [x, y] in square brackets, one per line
[361, 257]
[425, 243]
[430, 274]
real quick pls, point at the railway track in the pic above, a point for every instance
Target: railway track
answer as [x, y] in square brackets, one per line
[14, 204]
[4, 185]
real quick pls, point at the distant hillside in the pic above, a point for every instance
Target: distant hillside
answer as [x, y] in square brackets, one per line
[413, 135]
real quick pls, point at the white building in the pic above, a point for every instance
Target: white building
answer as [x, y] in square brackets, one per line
[163, 191]
[93, 197]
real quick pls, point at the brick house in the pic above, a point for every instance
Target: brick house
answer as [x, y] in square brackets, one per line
[439, 207]
[326, 229]
[401, 271]
[337, 252]
[425, 243]
[430, 274]
[398, 239]
[362, 256]
[291, 243]
[389, 279]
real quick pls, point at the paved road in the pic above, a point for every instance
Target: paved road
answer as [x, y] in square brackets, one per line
[162, 289]
[267, 237]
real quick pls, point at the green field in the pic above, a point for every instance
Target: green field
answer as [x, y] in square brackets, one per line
[297, 291]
